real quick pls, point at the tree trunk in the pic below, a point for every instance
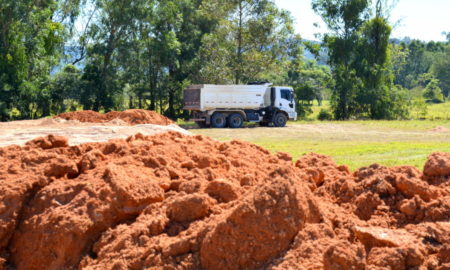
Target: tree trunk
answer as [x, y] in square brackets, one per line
[130, 102]
[171, 101]
[238, 67]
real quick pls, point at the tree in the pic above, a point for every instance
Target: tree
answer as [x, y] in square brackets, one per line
[399, 59]
[198, 18]
[441, 70]
[64, 87]
[420, 58]
[433, 92]
[110, 34]
[30, 46]
[344, 18]
[420, 107]
[252, 42]
[314, 80]
[359, 54]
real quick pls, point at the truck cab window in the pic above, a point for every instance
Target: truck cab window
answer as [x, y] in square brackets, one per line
[286, 94]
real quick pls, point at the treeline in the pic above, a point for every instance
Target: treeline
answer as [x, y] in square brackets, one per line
[424, 65]
[60, 55]
[135, 53]
[371, 73]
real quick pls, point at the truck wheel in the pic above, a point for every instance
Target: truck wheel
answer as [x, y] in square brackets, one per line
[280, 120]
[201, 124]
[218, 120]
[235, 120]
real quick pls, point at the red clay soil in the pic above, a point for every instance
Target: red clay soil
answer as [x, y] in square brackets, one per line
[189, 202]
[131, 117]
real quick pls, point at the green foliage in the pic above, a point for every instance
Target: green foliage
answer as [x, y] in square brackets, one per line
[344, 18]
[142, 53]
[252, 42]
[303, 110]
[65, 85]
[420, 107]
[441, 69]
[416, 62]
[30, 46]
[433, 92]
[312, 81]
[359, 53]
[324, 115]
[425, 79]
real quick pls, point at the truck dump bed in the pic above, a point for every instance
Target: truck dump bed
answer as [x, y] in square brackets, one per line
[208, 97]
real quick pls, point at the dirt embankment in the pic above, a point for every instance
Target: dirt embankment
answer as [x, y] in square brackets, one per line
[190, 202]
[94, 127]
[131, 117]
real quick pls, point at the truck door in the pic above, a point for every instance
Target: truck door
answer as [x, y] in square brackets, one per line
[286, 102]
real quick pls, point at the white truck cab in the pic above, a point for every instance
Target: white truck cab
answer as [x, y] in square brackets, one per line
[231, 105]
[285, 101]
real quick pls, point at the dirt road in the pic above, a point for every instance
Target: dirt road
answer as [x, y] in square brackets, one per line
[334, 131]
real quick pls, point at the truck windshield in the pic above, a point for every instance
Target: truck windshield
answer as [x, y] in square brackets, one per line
[287, 94]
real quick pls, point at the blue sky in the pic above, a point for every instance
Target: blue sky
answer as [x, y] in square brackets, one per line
[418, 19]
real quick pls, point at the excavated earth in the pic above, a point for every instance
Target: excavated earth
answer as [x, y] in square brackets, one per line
[88, 126]
[131, 117]
[174, 201]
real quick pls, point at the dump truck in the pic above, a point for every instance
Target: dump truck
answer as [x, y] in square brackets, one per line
[221, 106]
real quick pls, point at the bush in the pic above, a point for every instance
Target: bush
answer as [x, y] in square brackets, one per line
[420, 108]
[324, 115]
[433, 92]
[436, 101]
[303, 110]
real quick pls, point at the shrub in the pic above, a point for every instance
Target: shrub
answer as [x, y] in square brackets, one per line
[433, 92]
[324, 115]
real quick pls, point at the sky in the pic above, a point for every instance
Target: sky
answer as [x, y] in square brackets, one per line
[417, 19]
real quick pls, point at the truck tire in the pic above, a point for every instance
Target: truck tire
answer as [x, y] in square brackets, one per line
[280, 120]
[218, 120]
[201, 124]
[235, 120]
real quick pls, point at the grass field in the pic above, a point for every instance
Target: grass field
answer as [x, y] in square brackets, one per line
[355, 143]
[439, 111]
[435, 111]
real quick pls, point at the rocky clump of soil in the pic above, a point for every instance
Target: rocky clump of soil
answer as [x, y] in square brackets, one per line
[131, 117]
[190, 202]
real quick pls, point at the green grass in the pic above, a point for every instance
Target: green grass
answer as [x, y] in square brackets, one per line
[385, 125]
[435, 111]
[359, 153]
[316, 109]
[355, 143]
[439, 111]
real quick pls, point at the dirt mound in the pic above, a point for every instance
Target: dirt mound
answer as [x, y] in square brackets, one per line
[190, 202]
[440, 129]
[131, 117]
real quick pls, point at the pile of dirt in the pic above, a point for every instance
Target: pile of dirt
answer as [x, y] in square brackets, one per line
[131, 117]
[190, 202]
[440, 129]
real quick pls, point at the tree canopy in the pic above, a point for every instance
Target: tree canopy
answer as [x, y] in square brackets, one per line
[116, 54]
